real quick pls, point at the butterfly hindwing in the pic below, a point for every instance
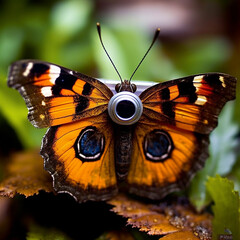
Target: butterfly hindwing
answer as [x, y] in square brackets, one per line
[171, 139]
[55, 95]
[164, 159]
[80, 158]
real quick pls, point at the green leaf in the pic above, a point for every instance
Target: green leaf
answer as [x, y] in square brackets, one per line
[37, 232]
[222, 156]
[226, 207]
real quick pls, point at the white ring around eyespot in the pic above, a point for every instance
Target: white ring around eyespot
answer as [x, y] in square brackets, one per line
[123, 96]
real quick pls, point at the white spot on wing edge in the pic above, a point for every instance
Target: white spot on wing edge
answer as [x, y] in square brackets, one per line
[221, 79]
[28, 69]
[198, 79]
[46, 91]
[56, 70]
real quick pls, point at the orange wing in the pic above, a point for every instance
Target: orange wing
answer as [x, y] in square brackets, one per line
[171, 138]
[80, 158]
[55, 95]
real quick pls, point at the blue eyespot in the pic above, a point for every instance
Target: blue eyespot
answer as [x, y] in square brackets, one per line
[89, 145]
[158, 145]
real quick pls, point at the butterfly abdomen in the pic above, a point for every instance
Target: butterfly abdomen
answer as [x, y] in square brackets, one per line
[123, 150]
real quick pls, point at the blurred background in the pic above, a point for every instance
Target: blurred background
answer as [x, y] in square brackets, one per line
[197, 36]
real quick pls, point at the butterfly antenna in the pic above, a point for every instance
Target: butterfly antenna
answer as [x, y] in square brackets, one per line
[100, 37]
[153, 41]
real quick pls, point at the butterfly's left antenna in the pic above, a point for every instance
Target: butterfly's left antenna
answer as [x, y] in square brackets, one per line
[153, 41]
[100, 37]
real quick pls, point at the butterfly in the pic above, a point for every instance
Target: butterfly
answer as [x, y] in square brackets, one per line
[99, 142]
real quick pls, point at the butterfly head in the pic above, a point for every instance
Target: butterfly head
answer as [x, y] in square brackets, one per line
[126, 85]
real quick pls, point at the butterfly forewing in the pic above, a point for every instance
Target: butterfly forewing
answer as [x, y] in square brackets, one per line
[192, 103]
[55, 95]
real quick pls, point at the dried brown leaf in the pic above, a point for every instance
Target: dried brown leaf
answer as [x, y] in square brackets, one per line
[176, 220]
[24, 174]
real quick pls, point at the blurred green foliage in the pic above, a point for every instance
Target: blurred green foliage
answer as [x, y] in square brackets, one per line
[222, 157]
[226, 207]
[64, 32]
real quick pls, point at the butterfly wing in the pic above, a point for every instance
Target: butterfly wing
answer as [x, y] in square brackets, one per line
[77, 149]
[55, 95]
[171, 138]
